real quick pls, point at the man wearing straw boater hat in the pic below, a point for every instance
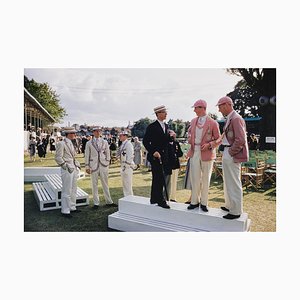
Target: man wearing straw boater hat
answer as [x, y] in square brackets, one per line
[127, 165]
[156, 142]
[202, 136]
[97, 158]
[65, 158]
[234, 141]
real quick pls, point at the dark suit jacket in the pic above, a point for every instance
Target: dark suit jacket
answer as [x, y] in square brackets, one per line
[156, 140]
[174, 153]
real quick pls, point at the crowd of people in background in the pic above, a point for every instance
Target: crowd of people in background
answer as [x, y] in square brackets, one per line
[42, 141]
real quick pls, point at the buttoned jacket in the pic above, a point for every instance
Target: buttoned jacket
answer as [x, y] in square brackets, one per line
[126, 154]
[235, 131]
[65, 155]
[210, 134]
[96, 155]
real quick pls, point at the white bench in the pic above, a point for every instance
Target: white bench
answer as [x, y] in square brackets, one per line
[48, 193]
[44, 197]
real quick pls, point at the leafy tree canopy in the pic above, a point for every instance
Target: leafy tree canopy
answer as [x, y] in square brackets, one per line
[139, 127]
[47, 97]
[255, 82]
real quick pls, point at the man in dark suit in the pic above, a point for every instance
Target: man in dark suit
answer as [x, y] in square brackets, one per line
[156, 142]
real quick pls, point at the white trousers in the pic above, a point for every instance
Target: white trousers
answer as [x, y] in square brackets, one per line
[200, 174]
[126, 176]
[68, 191]
[173, 187]
[233, 191]
[101, 172]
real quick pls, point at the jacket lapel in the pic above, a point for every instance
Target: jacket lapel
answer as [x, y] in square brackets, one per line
[205, 128]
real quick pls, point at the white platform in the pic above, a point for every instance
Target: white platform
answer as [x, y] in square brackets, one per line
[36, 174]
[137, 214]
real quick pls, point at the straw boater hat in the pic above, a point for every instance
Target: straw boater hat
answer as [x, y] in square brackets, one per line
[96, 128]
[159, 109]
[69, 130]
[124, 133]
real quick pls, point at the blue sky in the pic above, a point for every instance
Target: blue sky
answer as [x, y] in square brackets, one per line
[113, 97]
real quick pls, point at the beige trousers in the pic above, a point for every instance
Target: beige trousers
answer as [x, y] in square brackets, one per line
[101, 172]
[68, 191]
[200, 174]
[233, 191]
[173, 187]
[126, 175]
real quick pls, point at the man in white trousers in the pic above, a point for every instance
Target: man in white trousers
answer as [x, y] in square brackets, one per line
[234, 141]
[65, 158]
[202, 136]
[97, 158]
[127, 165]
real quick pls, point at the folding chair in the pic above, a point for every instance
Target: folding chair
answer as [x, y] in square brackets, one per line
[217, 167]
[270, 176]
[254, 178]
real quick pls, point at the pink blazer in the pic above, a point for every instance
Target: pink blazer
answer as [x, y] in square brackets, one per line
[235, 131]
[210, 134]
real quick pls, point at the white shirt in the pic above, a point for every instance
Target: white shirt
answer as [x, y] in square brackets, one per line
[163, 125]
[199, 131]
[198, 136]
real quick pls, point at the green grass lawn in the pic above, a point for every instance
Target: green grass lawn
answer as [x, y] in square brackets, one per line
[260, 206]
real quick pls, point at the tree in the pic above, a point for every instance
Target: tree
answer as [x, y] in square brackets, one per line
[139, 127]
[245, 99]
[47, 97]
[178, 126]
[255, 95]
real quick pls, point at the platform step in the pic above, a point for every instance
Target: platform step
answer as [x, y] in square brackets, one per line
[137, 214]
[119, 221]
[37, 174]
[47, 200]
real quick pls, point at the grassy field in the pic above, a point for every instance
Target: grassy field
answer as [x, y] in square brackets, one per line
[260, 206]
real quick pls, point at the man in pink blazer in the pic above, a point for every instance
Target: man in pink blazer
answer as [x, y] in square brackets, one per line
[202, 136]
[235, 152]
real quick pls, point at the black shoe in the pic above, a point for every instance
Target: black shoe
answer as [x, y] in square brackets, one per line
[95, 207]
[67, 215]
[172, 200]
[153, 201]
[187, 202]
[163, 205]
[231, 217]
[112, 205]
[192, 206]
[76, 211]
[204, 208]
[224, 208]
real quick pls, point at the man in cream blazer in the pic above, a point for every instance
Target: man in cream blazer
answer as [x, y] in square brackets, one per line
[234, 140]
[97, 158]
[65, 158]
[202, 136]
[126, 159]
